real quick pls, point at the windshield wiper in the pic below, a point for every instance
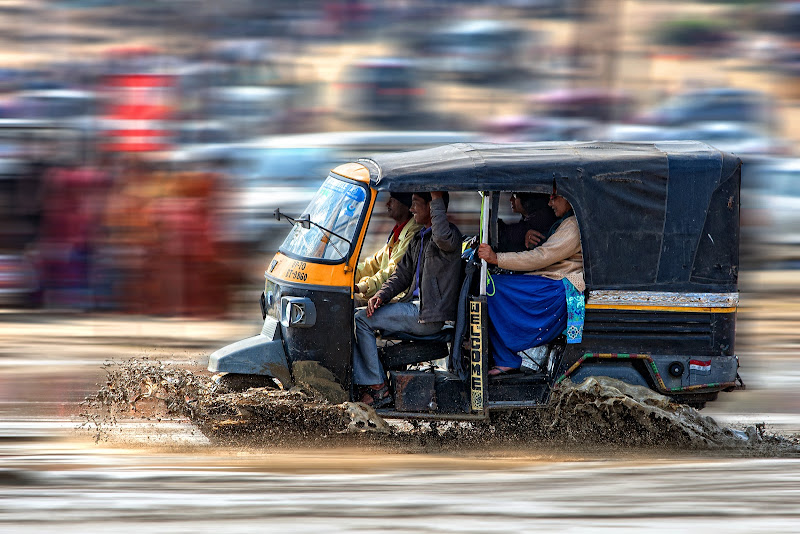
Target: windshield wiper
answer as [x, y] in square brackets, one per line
[306, 223]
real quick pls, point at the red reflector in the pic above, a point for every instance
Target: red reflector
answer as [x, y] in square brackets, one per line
[140, 80]
[134, 147]
[136, 133]
[138, 112]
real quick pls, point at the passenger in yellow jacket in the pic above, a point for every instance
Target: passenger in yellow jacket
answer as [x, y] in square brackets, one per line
[375, 270]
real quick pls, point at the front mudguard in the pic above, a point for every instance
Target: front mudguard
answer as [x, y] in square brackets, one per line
[262, 354]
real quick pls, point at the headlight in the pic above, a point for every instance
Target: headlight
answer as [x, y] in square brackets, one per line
[298, 311]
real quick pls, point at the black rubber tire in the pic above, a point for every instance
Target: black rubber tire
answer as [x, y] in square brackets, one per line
[242, 382]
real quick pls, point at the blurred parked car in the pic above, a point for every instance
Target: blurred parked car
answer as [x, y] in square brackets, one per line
[18, 281]
[738, 138]
[197, 133]
[591, 103]
[771, 213]
[522, 128]
[633, 132]
[56, 104]
[74, 109]
[474, 50]
[21, 183]
[547, 8]
[381, 88]
[248, 111]
[722, 104]
[787, 69]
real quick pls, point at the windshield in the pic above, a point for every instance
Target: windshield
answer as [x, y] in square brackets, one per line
[337, 207]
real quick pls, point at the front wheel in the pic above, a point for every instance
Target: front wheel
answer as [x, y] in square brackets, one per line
[241, 382]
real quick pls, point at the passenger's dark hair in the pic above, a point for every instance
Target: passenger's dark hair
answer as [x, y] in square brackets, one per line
[532, 202]
[426, 196]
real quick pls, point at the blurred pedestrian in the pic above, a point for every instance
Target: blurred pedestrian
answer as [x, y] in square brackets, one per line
[72, 215]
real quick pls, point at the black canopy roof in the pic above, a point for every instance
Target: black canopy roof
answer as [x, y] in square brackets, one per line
[653, 216]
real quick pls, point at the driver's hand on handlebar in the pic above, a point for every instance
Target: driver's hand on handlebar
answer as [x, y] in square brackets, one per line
[373, 304]
[533, 238]
[485, 252]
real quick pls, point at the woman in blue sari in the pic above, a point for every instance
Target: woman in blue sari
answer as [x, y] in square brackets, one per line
[528, 311]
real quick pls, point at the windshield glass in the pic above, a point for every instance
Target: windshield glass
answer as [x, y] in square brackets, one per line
[337, 207]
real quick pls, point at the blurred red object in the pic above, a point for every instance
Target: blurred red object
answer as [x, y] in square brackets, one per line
[140, 107]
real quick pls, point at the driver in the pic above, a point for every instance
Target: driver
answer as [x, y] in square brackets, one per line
[429, 273]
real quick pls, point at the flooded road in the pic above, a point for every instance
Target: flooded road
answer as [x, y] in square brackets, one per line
[67, 487]
[166, 476]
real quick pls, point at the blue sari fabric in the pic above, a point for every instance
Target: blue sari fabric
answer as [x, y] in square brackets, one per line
[576, 311]
[525, 311]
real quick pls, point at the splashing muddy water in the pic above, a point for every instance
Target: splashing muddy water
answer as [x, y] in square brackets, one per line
[597, 411]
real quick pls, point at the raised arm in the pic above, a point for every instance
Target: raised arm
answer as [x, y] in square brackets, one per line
[446, 236]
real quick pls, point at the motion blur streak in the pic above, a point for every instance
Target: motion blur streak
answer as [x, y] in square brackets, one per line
[140, 143]
[249, 104]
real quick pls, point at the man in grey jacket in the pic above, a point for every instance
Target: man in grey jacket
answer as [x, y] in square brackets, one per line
[430, 271]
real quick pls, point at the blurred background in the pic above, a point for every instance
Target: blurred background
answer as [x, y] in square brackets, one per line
[144, 145]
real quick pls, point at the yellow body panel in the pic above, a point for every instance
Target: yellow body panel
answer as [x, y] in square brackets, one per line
[309, 272]
[354, 171]
[691, 309]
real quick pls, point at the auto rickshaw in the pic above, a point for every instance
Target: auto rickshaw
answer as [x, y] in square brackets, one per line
[659, 226]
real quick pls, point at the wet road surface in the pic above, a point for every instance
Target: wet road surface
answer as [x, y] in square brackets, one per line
[65, 487]
[165, 476]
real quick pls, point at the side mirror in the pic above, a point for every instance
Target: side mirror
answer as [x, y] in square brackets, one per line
[305, 222]
[277, 214]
